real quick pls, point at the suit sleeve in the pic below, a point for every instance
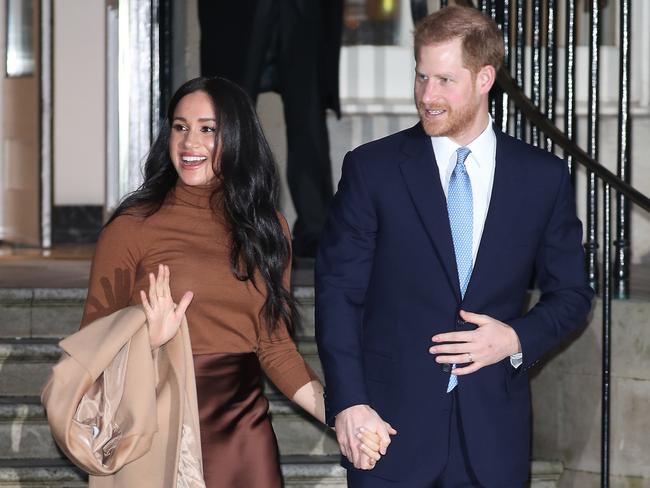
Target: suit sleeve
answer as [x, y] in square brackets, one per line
[561, 277]
[343, 268]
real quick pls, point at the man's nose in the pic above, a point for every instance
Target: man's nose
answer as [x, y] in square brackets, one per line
[429, 93]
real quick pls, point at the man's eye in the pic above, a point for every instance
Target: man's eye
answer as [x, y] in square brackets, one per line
[422, 77]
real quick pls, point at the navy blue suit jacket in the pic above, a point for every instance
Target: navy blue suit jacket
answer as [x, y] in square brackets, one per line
[386, 282]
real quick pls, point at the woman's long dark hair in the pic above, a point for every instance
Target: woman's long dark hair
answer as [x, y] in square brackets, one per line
[248, 179]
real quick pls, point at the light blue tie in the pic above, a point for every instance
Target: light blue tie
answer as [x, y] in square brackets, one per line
[460, 207]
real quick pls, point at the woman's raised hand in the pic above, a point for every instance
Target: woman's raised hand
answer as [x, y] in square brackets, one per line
[163, 315]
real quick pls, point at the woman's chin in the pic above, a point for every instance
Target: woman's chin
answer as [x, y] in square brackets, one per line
[195, 179]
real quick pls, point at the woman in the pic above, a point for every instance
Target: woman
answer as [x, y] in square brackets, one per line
[206, 210]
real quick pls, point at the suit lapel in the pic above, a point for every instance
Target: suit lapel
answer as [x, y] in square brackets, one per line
[422, 178]
[496, 222]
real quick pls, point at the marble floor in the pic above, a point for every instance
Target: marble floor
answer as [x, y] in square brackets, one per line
[65, 266]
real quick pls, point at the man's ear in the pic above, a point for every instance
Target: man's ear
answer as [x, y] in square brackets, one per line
[485, 78]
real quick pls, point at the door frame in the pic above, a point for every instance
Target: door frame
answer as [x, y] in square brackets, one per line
[138, 82]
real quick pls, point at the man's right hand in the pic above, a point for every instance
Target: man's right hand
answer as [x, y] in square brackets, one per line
[348, 424]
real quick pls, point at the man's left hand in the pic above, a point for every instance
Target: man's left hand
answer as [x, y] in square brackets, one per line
[489, 343]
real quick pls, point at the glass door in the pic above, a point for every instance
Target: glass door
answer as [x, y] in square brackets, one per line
[20, 123]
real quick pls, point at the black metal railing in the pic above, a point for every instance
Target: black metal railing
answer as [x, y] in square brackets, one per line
[534, 119]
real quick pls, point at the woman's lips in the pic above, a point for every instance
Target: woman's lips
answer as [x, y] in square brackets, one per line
[192, 162]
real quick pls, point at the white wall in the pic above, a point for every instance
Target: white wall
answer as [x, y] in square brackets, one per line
[79, 109]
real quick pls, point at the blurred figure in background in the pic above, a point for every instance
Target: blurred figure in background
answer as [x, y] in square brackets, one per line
[290, 47]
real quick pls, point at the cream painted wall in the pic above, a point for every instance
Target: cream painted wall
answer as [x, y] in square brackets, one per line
[79, 109]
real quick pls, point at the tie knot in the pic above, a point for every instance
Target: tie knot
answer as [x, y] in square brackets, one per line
[461, 155]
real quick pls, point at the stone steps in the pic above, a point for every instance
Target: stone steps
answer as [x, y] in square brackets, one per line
[24, 431]
[40, 312]
[298, 472]
[27, 363]
[32, 473]
[55, 313]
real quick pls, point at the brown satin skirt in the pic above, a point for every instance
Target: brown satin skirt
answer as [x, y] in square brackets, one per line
[238, 443]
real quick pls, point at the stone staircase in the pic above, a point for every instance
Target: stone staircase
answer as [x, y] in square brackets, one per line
[32, 320]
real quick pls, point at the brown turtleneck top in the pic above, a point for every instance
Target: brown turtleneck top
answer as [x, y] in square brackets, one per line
[224, 316]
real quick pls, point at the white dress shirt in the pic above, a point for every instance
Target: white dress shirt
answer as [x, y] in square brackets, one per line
[480, 165]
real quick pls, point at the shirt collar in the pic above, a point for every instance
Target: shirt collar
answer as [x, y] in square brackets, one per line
[483, 147]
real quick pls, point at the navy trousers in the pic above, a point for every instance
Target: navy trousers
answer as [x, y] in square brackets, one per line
[457, 473]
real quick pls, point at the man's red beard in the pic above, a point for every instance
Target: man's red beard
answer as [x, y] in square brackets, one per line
[451, 123]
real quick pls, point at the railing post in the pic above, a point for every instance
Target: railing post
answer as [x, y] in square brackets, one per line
[551, 66]
[592, 140]
[486, 6]
[504, 9]
[520, 20]
[622, 242]
[536, 67]
[569, 96]
[607, 350]
[498, 107]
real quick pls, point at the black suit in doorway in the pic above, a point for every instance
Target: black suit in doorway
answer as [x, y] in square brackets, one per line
[291, 47]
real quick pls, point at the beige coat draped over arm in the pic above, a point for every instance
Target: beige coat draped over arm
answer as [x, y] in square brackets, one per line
[124, 414]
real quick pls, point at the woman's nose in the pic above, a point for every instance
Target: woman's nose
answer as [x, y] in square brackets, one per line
[190, 139]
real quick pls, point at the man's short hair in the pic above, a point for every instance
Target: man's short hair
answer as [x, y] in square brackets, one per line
[482, 41]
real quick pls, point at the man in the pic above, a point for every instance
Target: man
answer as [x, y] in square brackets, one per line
[291, 47]
[422, 275]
